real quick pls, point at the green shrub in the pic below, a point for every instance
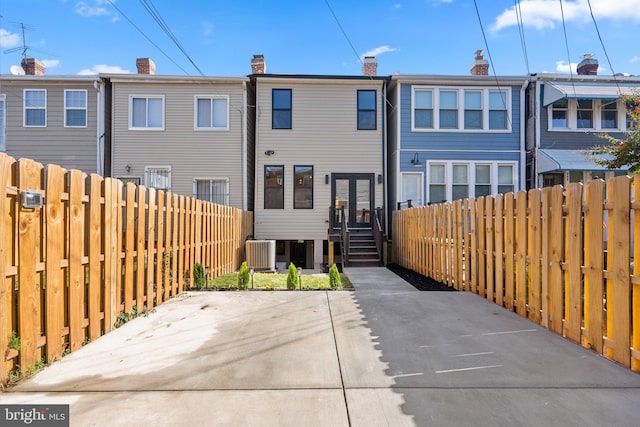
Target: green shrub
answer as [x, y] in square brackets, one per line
[244, 276]
[334, 278]
[292, 277]
[199, 278]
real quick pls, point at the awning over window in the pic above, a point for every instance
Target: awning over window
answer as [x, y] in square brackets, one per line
[569, 160]
[556, 91]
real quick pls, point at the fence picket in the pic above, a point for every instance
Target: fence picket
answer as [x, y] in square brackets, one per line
[489, 242]
[509, 253]
[573, 259]
[141, 269]
[534, 247]
[76, 262]
[556, 256]
[94, 242]
[499, 249]
[594, 266]
[635, 350]
[482, 266]
[152, 255]
[521, 253]
[7, 164]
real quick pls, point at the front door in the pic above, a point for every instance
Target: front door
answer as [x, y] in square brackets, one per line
[354, 193]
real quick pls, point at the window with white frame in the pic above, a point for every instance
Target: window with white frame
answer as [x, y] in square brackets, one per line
[146, 112]
[587, 114]
[212, 113]
[35, 108]
[3, 123]
[75, 108]
[412, 188]
[158, 177]
[474, 109]
[449, 181]
[215, 190]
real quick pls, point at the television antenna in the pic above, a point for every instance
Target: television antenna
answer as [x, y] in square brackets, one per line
[24, 47]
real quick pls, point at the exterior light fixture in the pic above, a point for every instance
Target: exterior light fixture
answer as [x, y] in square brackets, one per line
[128, 168]
[326, 179]
[269, 153]
[379, 178]
[416, 161]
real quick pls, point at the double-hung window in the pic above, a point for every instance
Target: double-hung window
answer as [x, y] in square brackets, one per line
[483, 180]
[281, 100]
[585, 114]
[273, 187]
[449, 181]
[412, 188]
[609, 114]
[559, 114]
[437, 183]
[423, 109]
[35, 108]
[212, 113]
[498, 117]
[75, 108]
[367, 110]
[214, 190]
[303, 187]
[448, 109]
[158, 177]
[460, 189]
[505, 179]
[472, 109]
[146, 112]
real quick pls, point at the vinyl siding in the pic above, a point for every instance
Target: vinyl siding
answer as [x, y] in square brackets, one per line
[190, 153]
[71, 148]
[324, 134]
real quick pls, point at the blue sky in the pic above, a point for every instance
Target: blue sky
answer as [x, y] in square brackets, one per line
[303, 37]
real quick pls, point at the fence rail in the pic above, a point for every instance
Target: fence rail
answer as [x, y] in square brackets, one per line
[95, 249]
[559, 257]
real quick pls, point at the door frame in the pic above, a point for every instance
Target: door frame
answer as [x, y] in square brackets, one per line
[353, 178]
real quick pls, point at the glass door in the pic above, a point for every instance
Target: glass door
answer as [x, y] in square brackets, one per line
[354, 193]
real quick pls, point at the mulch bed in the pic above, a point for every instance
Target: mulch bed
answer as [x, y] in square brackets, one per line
[419, 281]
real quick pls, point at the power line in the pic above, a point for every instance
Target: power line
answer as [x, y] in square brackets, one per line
[145, 36]
[566, 43]
[523, 42]
[602, 44]
[344, 33]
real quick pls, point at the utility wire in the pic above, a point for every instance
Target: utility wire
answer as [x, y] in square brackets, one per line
[493, 69]
[145, 36]
[603, 47]
[344, 33]
[566, 43]
[523, 42]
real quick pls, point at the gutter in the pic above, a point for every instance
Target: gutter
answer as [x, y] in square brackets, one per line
[100, 133]
[523, 148]
[537, 136]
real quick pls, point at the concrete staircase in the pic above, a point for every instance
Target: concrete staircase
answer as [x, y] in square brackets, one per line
[362, 250]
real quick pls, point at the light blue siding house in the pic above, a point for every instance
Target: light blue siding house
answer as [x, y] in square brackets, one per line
[454, 137]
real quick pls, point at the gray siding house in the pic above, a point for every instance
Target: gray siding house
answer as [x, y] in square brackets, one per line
[566, 115]
[187, 135]
[53, 119]
[320, 143]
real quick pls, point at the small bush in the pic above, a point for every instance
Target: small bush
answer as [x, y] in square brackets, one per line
[292, 277]
[244, 275]
[334, 278]
[199, 278]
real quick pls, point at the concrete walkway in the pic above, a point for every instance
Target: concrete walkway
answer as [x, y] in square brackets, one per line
[385, 355]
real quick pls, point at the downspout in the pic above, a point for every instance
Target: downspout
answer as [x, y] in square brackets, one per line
[385, 195]
[245, 203]
[537, 137]
[523, 147]
[100, 134]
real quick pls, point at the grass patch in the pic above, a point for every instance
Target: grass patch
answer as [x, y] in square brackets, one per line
[272, 281]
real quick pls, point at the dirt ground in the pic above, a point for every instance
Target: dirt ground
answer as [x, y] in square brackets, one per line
[418, 281]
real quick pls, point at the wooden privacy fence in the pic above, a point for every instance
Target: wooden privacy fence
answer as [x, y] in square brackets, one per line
[95, 249]
[557, 256]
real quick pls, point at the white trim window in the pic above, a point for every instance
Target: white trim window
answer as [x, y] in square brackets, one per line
[214, 190]
[35, 108]
[584, 115]
[146, 112]
[412, 188]
[3, 122]
[211, 113]
[158, 177]
[464, 109]
[75, 108]
[460, 180]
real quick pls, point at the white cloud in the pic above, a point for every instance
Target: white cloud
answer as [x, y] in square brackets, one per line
[103, 68]
[563, 67]
[95, 8]
[439, 2]
[397, 6]
[8, 40]
[379, 51]
[541, 14]
[51, 63]
[635, 59]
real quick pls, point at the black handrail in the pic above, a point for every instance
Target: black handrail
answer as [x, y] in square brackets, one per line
[407, 204]
[378, 229]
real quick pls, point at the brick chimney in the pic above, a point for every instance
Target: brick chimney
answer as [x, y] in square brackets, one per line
[145, 66]
[258, 65]
[370, 66]
[588, 66]
[33, 67]
[481, 66]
